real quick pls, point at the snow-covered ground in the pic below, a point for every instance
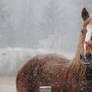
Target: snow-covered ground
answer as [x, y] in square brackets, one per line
[7, 84]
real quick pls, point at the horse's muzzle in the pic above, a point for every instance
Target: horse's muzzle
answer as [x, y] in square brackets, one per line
[86, 58]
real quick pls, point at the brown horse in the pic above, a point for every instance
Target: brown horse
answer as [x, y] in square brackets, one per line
[86, 56]
[61, 74]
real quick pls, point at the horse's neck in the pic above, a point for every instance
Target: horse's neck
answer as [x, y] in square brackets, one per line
[88, 74]
[86, 82]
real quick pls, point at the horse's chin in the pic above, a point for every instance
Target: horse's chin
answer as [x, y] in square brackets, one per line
[88, 65]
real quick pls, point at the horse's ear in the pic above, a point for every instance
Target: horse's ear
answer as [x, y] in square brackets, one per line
[84, 14]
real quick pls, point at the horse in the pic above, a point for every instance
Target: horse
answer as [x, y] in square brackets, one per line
[62, 74]
[86, 56]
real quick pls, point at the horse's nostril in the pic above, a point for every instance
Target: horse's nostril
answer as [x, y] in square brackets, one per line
[88, 56]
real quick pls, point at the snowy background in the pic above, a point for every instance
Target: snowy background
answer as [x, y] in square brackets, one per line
[31, 27]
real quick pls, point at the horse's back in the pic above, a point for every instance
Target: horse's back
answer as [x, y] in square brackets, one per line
[51, 59]
[41, 69]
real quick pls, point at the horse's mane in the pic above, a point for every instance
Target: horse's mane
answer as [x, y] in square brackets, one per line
[76, 67]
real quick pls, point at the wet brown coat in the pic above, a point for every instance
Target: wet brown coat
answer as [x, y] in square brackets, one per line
[51, 70]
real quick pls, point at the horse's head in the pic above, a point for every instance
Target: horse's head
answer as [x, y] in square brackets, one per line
[86, 57]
